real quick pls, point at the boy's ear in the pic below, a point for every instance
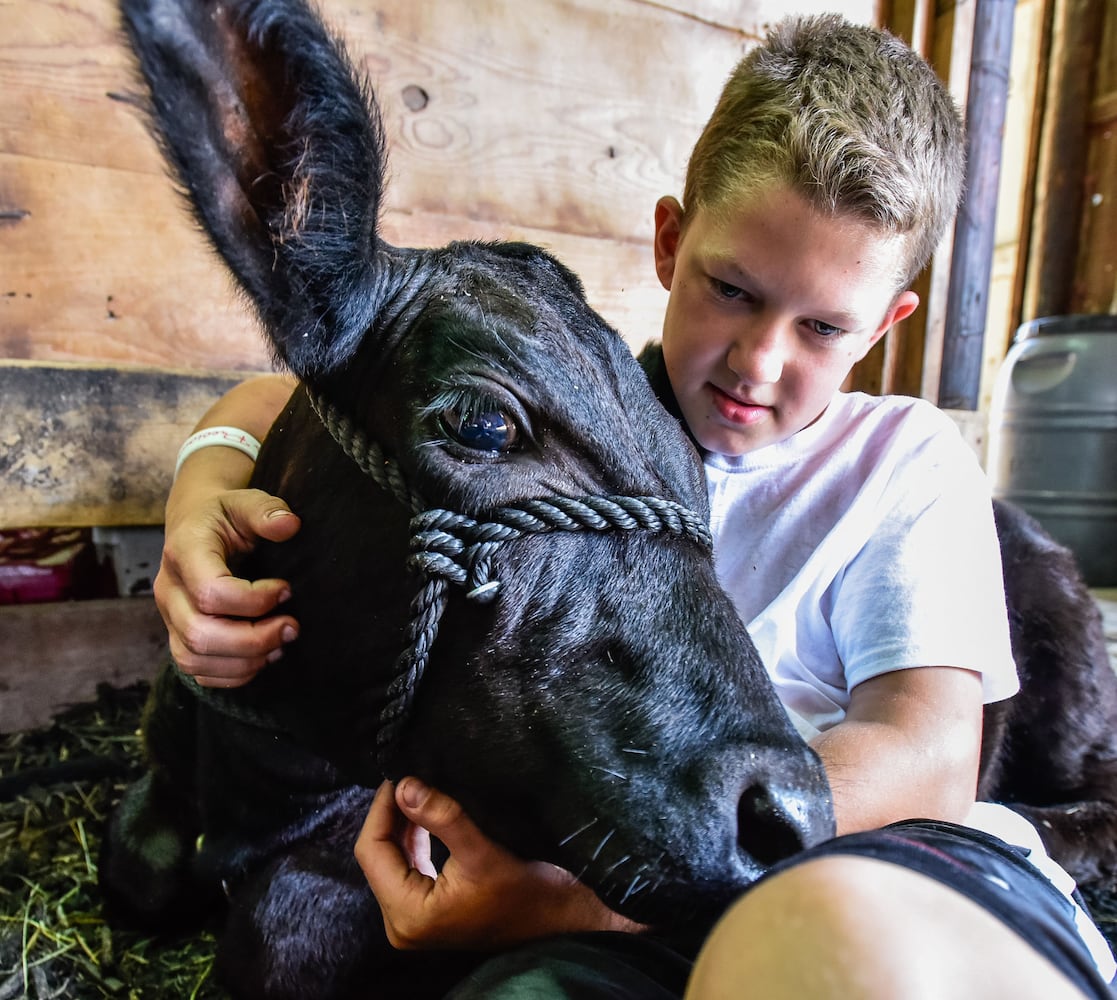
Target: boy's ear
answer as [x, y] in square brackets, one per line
[668, 229]
[902, 307]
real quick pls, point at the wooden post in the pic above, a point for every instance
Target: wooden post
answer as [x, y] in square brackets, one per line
[972, 260]
[1053, 252]
[907, 361]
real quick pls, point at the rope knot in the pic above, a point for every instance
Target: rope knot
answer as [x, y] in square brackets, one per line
[458, 549]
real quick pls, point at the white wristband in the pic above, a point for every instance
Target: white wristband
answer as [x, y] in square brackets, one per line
[227, 437]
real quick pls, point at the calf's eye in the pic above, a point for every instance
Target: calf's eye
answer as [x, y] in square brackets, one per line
[481, 426]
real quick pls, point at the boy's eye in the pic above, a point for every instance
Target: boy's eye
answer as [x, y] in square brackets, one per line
[826, 329]
[479, 425]
[726, 290]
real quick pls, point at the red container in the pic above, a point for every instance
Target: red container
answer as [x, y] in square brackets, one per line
[49, 564]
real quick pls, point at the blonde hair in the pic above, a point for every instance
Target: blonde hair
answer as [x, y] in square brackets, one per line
[848, 116]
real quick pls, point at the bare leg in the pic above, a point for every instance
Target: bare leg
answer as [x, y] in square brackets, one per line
[851, 928]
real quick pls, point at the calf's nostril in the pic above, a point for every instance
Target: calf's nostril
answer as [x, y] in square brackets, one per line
[767, 830]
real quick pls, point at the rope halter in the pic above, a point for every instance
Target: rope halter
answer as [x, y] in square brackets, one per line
[451, 548]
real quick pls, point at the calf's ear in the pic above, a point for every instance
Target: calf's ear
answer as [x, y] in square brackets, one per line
[278, 146]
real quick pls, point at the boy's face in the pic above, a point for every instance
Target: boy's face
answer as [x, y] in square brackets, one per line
[771, 304]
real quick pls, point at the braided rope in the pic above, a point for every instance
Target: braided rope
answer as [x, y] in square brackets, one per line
[368, 455]
[452, 548]
[447, 547]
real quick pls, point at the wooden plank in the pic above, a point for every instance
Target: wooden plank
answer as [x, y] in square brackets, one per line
[103, 265]
[1015, 189]
[1016, 205]
[972, 261]
[1095, 288]
[951, 49]
[166, 301]
[895, 364]
[55, 655]
[909, 359]
[515, 121]
[550, 129]
[94, 445]
[910, 20]
[753, 18]
[496, 128]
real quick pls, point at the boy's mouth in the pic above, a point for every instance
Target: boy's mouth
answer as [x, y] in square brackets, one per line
[734, 410]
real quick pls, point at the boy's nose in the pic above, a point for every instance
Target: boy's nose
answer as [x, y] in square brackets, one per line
[757, 355]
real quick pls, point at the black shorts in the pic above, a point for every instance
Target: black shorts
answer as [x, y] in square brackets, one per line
[993, 874]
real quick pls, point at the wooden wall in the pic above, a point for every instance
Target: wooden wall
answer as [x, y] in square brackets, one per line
[1055, 241]
[556, 121]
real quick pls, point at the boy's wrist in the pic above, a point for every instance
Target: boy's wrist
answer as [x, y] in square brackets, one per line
[205, 474]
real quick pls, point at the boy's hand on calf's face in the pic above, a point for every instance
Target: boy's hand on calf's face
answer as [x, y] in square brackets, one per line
[484, 898]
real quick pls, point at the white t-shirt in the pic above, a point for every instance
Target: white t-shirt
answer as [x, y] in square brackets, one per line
[865, 544]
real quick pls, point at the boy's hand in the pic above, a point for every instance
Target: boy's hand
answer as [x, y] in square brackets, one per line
[208, 612]
[484, 898]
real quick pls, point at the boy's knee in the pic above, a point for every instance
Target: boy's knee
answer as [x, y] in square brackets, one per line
[857, 929]
[796, 934]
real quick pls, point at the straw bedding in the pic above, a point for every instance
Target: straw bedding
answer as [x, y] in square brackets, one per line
[56, 787]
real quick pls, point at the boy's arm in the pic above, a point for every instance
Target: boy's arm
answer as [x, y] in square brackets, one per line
[210, 515]
[909, 747]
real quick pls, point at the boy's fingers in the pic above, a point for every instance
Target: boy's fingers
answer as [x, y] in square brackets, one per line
[444, 818]
[382, 819]
[232, 597]
[416, 844]
[224, 652]
[386, 866]
[204, 634]
[224, 673]
[256, 514]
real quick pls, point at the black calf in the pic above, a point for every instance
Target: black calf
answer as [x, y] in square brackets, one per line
[1051, 752]
[553, 648]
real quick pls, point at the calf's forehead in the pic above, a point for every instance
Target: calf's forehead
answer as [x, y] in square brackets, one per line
[521, 319]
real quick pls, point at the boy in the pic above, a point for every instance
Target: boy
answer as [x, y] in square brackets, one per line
[817, 191]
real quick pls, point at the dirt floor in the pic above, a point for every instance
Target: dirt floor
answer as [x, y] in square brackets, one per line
[56, 787]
